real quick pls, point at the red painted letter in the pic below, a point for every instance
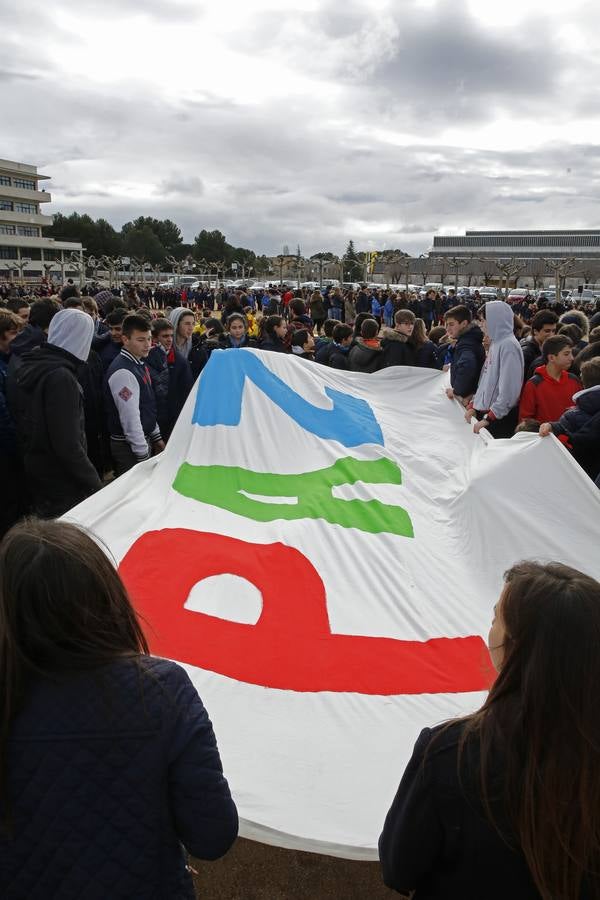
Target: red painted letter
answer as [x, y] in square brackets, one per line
[291, 647]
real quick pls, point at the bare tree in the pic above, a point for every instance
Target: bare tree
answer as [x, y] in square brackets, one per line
[283, 260]
[458, 263]
[113, 264]
[488, 269]
[561, 268]
[590, 269]
[471, 269]
[510, 268]
[538, 270]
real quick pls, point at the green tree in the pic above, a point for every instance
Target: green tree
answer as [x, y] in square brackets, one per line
[325, 256]
[109, 240]
[212, 246]
[143, 244]
[243, 256]
[97, 237]
[353, 267]
[262, 265]
[167, 232]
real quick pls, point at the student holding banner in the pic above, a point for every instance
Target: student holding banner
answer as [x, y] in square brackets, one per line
[496, 401]
[109, 768]
[506, 802]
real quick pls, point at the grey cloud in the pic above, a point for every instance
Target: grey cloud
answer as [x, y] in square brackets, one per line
[9, 75]
[338, 21]
[357, 197]
[519, 198]
[164, 10]
[264, 182]
[444, 66]
[182, 184]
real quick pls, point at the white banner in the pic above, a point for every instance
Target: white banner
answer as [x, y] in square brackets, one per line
[322, 550]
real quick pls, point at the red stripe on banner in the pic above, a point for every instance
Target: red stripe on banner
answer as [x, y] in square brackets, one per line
[291, 647]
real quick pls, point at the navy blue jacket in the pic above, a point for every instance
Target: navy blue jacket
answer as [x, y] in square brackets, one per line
[106, 348]
[8, 432]
[581, 425]
[110, 771]
[333, 355]
[172, 382]
[363, 304]
[147, 399]
[437, 838]
[468, 357]
[274, 344]
[427, 357]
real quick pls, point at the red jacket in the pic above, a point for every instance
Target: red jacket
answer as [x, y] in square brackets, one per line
[545, 399]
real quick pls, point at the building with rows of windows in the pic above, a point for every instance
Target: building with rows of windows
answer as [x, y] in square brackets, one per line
[526, 245]
[25, 254]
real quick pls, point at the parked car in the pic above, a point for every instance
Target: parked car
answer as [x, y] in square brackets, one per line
[516, 295]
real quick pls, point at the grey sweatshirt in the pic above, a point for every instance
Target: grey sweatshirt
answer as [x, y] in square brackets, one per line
[501, 378]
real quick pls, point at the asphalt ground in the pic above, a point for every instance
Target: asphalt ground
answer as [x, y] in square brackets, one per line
[252, 871]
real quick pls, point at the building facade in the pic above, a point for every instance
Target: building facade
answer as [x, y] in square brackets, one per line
[25, 254]
[526, 245]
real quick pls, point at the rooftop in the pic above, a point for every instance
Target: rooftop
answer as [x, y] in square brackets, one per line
[16, 168]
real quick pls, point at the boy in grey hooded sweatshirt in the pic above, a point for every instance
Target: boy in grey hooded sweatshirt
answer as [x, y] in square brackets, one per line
[496, 401]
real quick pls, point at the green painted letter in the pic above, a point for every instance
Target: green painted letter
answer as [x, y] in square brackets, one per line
[227, 486]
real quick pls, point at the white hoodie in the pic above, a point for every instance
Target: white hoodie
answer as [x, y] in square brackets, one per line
[501, 378]
[72, 330]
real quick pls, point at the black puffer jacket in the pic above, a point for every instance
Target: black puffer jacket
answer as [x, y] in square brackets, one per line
[364, 359]
[51, 429]
[396, 349]
[531, 353]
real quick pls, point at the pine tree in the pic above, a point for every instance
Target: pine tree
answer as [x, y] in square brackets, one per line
[353, 268]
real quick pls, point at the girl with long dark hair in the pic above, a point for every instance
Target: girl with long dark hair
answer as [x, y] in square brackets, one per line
[426, 352]
[505, 803]
[273, 331]
[108, 760]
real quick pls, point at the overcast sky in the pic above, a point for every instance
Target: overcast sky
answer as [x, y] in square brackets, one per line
[312, 121]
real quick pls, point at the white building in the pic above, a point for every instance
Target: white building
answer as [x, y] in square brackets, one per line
[25, 254]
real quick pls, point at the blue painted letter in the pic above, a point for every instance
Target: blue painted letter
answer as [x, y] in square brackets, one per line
[350, 421]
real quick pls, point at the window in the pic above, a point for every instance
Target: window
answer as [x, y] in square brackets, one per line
[26, 183]
[5, 180]
[7, 252]
[28, 231]
[25, 207]
[6, 204]
[7, 229]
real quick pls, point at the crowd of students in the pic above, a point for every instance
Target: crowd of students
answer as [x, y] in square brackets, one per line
[109, 769]
[93, 385]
